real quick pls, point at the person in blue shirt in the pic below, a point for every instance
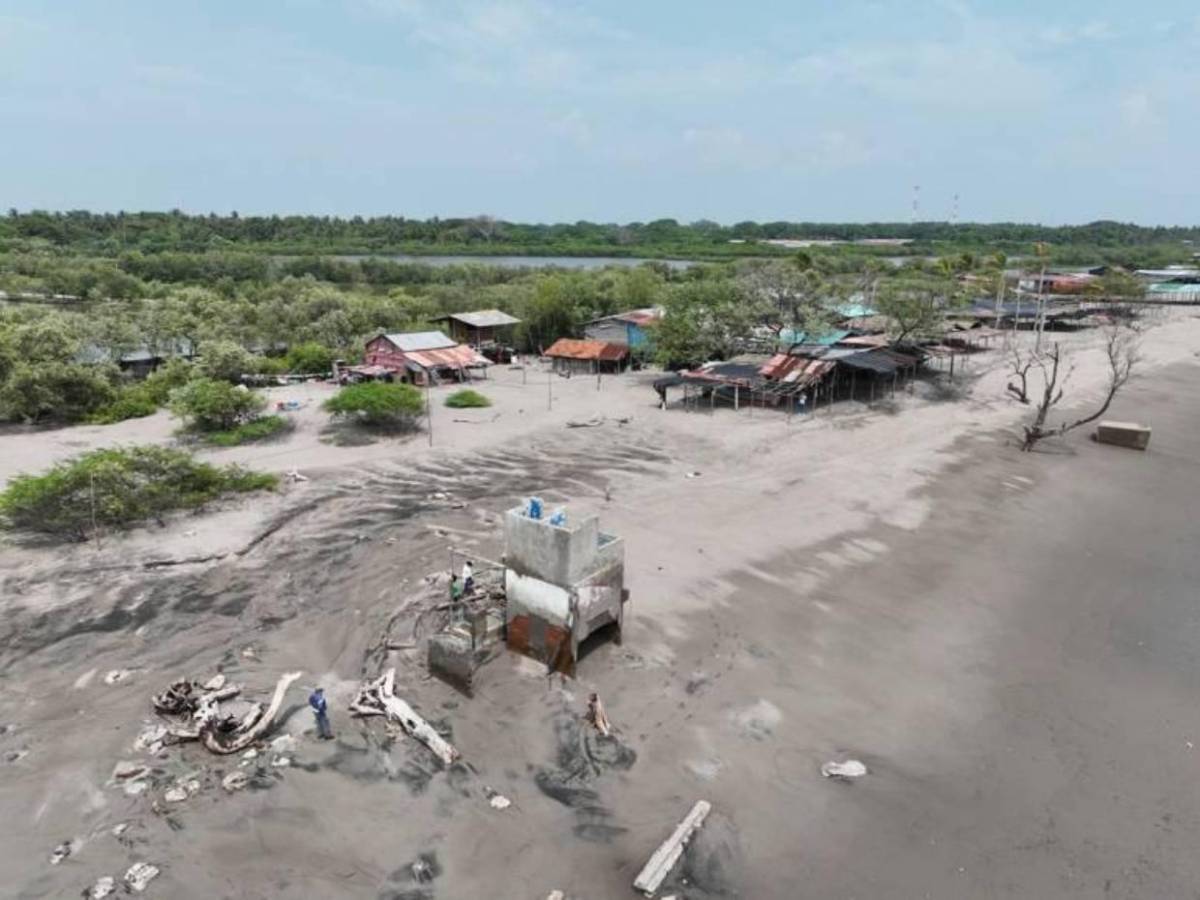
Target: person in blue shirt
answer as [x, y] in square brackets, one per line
[320, 709]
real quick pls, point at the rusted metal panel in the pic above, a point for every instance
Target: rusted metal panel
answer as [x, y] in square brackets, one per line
[570, 348]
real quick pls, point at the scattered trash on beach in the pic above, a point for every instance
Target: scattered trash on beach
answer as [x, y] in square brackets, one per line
[61, 852]
[139, 875]
[104, 887]
[851, 768]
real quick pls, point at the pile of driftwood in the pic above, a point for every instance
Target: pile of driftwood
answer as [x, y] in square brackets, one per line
[378, 698]
[195, 713]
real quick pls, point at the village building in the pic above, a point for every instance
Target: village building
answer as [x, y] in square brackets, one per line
[569, 356]
[487, 330]
[138, 362]
[420, 357]
[630, 329]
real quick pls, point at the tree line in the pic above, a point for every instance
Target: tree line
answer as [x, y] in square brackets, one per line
[156, 232]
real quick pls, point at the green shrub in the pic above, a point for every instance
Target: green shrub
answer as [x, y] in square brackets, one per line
[247, 433]
[117, 488]
[269, 365]
[378, 404]
[56, 391]
[173, 374]
[226, 361]
[467, 399]
[310, 358]
[133, 402]
[205, 404]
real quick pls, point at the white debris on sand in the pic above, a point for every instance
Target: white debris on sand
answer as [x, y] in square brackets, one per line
[151, 739]
[235, 781]
[499, 801]
[139, 875]
[115, 676]
[104, 887]
[119, 829]
[61, 852]
[182, 791]
[851, 768]
[215, 683]
[135, 787]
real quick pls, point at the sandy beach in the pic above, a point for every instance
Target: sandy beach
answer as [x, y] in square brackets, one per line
[1006, 640]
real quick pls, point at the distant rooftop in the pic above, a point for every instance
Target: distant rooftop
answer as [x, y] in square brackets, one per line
[410, 341]
[482, 318]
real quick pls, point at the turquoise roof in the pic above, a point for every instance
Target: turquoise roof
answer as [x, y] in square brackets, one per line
[789, 336]
[855, 310]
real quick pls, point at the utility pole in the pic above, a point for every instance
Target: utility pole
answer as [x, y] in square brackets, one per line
[550, 387]
[428, 409]
[95, 530]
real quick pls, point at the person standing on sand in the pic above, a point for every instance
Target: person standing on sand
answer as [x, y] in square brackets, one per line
[468, 577]
[456, 589]
[321, 710]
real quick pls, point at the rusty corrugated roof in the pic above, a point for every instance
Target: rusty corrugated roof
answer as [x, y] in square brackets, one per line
[459, 356]
[570, 348]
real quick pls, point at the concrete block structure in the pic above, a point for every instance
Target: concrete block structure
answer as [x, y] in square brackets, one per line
[1124, 434]
[562, 583]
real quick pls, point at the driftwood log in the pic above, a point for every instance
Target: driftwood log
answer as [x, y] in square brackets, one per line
[378, 698]
[198, 717]
[663, 861]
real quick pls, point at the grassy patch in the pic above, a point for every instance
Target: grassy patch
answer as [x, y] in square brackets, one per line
[118, 488]
[467, 399]
[255, 430]
[133, 402]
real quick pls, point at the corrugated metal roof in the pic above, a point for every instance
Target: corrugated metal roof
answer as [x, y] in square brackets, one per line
[570, 348]
[420, 340]
[795, 370]
[866, 340]
[881, 361]
[635, 316]
[457, 356]
[482, 318]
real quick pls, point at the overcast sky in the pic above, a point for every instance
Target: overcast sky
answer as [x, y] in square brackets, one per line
[613, 111]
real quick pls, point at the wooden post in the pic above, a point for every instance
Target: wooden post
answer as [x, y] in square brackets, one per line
[660, 864]
[736, 398]
[428, 410]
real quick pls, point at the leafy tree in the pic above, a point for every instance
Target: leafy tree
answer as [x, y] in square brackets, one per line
[117, 488]
[704, 320]
[55, 391]
[172, 374]
[915, 308]
[378, 404]
[226, 361]
[206, 404]
[551, 313]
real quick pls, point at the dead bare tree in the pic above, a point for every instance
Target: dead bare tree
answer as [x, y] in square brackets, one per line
[1020, 362]
[1121, 351]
